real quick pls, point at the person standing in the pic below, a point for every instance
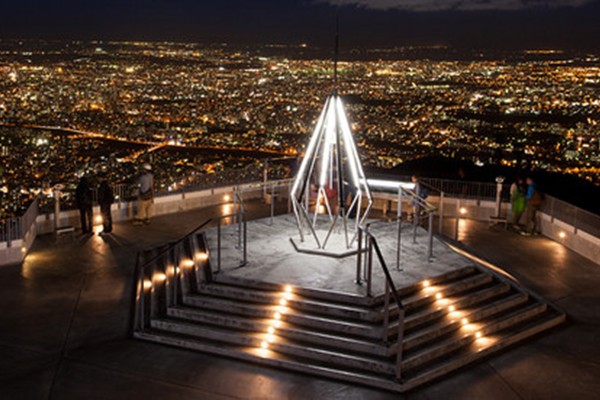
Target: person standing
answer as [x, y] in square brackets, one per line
[105, 200]
[83, 198]
[517, 199]
[534, 201]
[146, 194]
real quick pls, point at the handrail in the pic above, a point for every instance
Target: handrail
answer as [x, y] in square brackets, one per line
[390, 287]
[171, 280]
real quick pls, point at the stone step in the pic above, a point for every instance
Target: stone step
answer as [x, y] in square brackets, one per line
[307, 351]
[434, 311]
[335, 324]
[292, 300]
[467, 334]
[483, 347]
[271, 358]
[285, 329]
[452, 321]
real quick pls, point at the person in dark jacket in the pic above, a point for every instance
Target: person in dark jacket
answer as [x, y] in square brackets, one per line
[105, 200]
[83, 197]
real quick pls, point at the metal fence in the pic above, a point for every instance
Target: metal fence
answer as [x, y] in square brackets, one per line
[576, 217]
[467, 190]
[129, 192]
[12, 229]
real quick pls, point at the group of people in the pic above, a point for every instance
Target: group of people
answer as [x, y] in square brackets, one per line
[525, 199]
[84, 197]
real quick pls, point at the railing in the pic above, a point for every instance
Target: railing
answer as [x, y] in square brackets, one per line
[12, 229]
[149, 279]
[578, 218]
[390, 290]
[467, 190]
[273, 189]
[421, 209]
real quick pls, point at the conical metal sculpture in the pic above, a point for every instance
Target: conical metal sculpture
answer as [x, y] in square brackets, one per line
[330, 180]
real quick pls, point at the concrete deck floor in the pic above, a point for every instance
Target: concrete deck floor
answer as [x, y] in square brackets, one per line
[64, 319]
[273, 258]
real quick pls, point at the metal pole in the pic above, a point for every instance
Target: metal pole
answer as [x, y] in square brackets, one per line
[219, 245]
[369, 264]
[400, 342]
[430, 239]
[441, 219]
[272, 202]
[457, 219]
[399, 238]
[415, 217]
[245, 241]
[359, 256]
[265, 176]
[386, 315]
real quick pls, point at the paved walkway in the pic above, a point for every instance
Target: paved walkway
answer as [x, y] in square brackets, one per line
[64, 319]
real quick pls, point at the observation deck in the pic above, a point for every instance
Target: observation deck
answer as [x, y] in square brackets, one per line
[67, 317]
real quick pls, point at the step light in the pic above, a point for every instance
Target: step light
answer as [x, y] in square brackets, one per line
[201, 256]
[147, 284]
[438, 296]
[426, 284]
[277, 315]
[562, 235]
[271, 330]
[464, 321]
[288, 288]
[451, 309]
[160, 277]
[283, 302]
[188, 263]
[478, 335]
[264, 344]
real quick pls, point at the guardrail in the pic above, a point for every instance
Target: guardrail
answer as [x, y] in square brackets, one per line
[576, 217]
[370, 244]
[13, 229]
[167, 282]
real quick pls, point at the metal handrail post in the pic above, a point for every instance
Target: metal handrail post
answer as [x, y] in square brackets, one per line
[218, 245]
[430, 239]
[400, 341]
[359, 256]
[399, 238]
[272, 202]
[386, 313]
[441, 219]
[245, 241]
[417, 211]
[457, 219]
[176, 274]
[142, 300]
[369, 264]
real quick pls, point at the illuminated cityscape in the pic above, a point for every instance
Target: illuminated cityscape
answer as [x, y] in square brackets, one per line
[135, 100]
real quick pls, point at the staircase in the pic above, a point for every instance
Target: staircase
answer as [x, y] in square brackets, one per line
[449, 321]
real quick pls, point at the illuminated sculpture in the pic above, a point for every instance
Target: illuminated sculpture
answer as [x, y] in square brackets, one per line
[331, 180]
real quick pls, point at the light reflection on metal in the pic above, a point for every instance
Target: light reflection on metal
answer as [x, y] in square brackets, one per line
[330, 178]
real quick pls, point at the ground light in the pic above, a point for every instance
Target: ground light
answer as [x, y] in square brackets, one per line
[275, 322]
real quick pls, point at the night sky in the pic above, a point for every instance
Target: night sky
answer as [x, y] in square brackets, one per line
[565, 24]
